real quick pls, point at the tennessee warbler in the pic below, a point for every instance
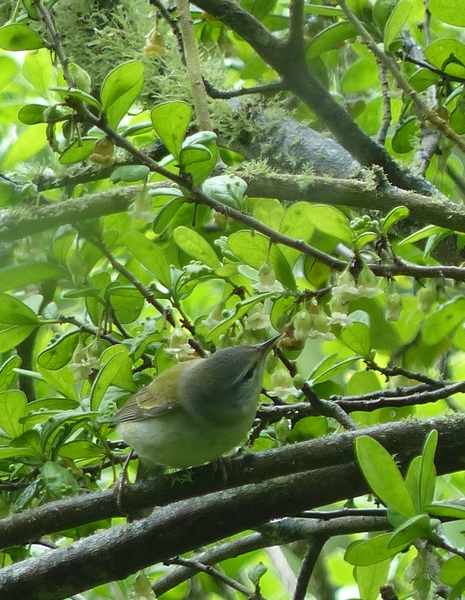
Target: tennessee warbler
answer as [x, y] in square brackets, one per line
[197, 410]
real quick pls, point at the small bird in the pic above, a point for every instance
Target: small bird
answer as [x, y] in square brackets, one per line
[195, 411]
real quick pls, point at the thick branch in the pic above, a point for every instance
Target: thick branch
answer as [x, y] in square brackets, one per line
[405, 438]
[292, 188]
[186, 525]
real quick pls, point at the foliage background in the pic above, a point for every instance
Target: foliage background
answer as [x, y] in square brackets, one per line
[326, 205]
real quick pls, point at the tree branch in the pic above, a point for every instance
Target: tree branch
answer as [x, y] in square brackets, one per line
[404, 438]
[296, 76]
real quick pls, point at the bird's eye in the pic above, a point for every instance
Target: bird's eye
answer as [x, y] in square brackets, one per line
[249, 374]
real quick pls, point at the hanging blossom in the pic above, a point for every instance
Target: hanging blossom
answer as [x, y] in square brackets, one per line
[267, 280]
[322, 327]
[258, 318]
[339, 313]
[215, 316]
[394, 306]
[283, 386]
[178, 344]
[84, 361]
[303, 324]
[368, 283]
[142, 206]
[346, 289]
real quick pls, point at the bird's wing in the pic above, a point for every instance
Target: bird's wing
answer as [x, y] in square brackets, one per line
[136, 408]
[155, 399]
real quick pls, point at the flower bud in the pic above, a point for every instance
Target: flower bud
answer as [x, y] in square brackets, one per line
[394, 306]
[426, 299]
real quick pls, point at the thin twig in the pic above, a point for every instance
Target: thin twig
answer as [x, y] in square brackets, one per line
[314, 548]
[387, 113]
[423, 110]
[191, 563]
[193, 66]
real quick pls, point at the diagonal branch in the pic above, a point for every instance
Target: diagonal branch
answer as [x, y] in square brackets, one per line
[296, 76]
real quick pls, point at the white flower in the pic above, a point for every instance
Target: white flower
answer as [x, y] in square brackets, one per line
[345, 288]
[178, 344]
[368, 283]
[258, 318]
[394, 306]
[322, 327]
[215, 316]
[267, 280]
[142, 207]
[303, 323]
[340, 318]
[282, 385]
[83, 362]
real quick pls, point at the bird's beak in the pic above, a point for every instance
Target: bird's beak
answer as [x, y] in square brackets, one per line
[265, 347]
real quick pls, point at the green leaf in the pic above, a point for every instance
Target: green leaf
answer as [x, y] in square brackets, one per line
[446, 509]
[199, 160]
[120, 89]
[269, 211]
[193, 244]
[16, 37]
[453, 570]
[370, 578]
[17, 322]
[443, 321]
[39, 70]
[29, 143]
[383, 476]
[447, 54]
[19, 276]
[150, 255]
[60, 351]
[448, 11]
[422, 79]
[396, 21]
[66, 92]
[427, 474]
[394, 216]
[130, 173]
[372, 551]
[325, 11]
[61, 380]
[126, 301]
[423, 233]
[255, 250]
[357, 334]
[308, 428]
[405, 135]
[331, 221]
[329, 38]
[297, 223]
[170, 121]
[328, 368]
[7, 372]
[107, 375]
[13, 405]
[418, 527]
[412, 479]
[166, 214]
[8, 70]
[79, 150]
[31, 114]
[59, 482]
